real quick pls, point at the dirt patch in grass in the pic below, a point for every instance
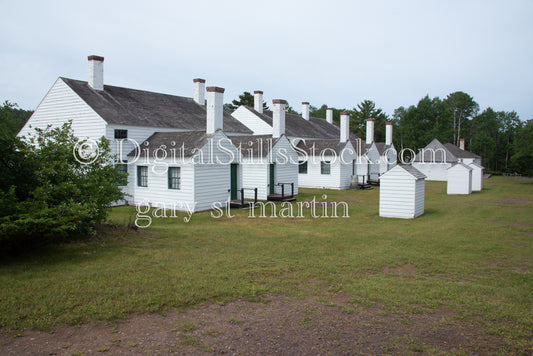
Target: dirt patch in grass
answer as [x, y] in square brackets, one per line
[332, 324]
[512, 223]
[515, 201]
[407, 269]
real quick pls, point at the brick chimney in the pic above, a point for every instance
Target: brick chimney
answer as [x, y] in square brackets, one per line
[215, 109]
[388, 133]
[258, 101]
[329, 115]
[369, 131]
[278, 118]
[462, 144]
[199, 91]
[305, 110]
[96, 72]
[345, 127]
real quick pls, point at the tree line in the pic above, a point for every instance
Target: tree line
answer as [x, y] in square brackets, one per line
[504, 142]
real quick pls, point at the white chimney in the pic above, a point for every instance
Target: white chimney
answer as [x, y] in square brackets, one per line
[215, 109]
[305, 110]
[388, 133]
[345, 126]
[329, 115]
[199, 91]
[278, 118]
[96, 72]
[462, 143]
[258, 101]
[369, 131]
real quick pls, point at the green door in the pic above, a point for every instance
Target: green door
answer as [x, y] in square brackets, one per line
[272, 173]
[234, 168]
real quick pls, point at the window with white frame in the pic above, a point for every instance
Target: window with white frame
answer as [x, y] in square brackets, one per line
[174, 175]
[142, 176]
[302, 167]
[325, 167]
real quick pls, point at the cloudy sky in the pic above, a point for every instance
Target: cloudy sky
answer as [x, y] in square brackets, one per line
[337, 53]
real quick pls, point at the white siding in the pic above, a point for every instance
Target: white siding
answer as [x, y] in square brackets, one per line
[286, 173]
[374, 162]
[213, 179]
[341, 170]
[477, 177]
[202, 184]
[60, 105]
[361, 168]
[420, 190]
[433, 171]
[392, 157]
[401, 195]
[286, 160]
[346, 157]
[157, 194]
[459, 180]
[252, 121]
[345, 173]
[136, 134]
[315, 179]
[212, 185]
[255, 175]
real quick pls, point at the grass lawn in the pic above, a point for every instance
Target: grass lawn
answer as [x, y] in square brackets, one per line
[469, 254]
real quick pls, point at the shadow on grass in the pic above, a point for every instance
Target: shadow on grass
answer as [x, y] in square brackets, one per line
[63, 251]
[430, 212]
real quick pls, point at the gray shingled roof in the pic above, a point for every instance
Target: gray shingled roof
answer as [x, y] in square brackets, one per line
[476, 165]
[461, 164]
[254, 146]
[413, 171]
[297, 126]
[316, 147]
[124, 106]
[435, 152]
[381, 146]
[459, 153]
[174, 144]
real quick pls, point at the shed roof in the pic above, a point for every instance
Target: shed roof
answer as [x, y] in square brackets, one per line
[474, 164]
[415, 173]
[460, 165]
[124, 106]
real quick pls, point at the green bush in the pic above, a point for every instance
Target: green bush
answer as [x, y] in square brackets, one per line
[67, 197]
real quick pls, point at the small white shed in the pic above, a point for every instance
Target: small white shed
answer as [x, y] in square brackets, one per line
[401, 192]
[459, 179]
[477, 176]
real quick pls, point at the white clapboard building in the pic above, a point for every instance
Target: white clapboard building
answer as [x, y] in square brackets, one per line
[146, 124]
[380, 156]
[328, 163]
[304, 131]
[269, 162]
[434, 161]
